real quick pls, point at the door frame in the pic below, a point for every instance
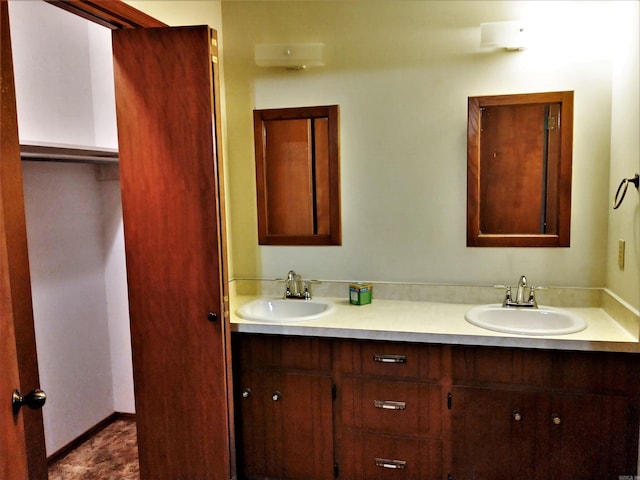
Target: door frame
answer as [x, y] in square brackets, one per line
[28, 432]
[113, 14]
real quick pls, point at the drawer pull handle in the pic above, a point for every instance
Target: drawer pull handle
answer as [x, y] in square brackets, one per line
[389, 404]
[394, 464]
[389, 358]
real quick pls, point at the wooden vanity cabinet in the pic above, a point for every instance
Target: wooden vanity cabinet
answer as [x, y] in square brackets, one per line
[361, 409]
[391, 414]
[284, 400]
[536, 414]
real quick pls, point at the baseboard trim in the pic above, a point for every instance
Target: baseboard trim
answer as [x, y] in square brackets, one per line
[79, 440]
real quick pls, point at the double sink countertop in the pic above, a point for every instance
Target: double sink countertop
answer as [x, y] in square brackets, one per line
[437, 323]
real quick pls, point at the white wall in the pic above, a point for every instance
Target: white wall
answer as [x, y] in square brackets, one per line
[115, 272]
[64, 90]
[401, 73]
[64, 232]
[624, 223]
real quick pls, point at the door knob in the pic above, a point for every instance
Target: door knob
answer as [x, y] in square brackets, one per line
[212, 317]
[276, 396]
[34, 399]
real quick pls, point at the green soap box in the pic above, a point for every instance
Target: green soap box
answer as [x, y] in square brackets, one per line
[360, 293]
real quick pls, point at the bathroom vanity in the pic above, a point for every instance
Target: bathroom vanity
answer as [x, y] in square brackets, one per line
[323, 400]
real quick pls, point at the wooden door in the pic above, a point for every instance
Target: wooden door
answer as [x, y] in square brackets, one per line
[171, 202]
[22, 448]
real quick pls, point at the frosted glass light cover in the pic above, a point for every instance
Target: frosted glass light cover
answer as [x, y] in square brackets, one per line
[295, 56]
[509, 35]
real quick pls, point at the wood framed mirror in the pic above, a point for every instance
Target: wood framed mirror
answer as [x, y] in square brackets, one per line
[519, 155]
[298, 175]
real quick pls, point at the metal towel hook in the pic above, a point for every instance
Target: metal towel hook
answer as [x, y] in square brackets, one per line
[625, 183]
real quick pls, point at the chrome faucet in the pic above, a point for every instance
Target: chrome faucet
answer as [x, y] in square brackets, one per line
[520, 295]
[522, 284]
[296, 288]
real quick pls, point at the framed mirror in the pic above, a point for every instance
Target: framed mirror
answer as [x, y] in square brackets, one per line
[298, 175]
[519, 155]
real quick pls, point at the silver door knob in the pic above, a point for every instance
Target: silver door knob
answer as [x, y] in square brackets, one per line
[246, 393]
[276, 396]
[517, 416]
[555, 418]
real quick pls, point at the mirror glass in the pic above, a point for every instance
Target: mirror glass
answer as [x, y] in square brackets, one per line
[297, 176]
[519, 154]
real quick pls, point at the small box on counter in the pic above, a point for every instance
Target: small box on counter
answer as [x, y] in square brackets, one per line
[360, 293]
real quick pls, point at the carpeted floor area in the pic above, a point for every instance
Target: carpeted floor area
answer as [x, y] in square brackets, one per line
[111, 454]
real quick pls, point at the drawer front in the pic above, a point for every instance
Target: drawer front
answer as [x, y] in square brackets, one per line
[399, 408]
[385, 457]
[390, 359]
[593, 372]
[396, 360]
[268, 352]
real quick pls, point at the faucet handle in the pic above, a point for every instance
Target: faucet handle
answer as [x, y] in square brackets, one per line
[532, 297]
[532, 293]
[507, 296]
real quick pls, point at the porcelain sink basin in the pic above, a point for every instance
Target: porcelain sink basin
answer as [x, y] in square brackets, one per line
[526, 321]
[280, 310]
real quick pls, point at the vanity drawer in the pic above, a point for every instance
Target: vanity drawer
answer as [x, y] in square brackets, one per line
[390, 359]
[268, 352]
[394, 407]
[386, 457]
[593, 372]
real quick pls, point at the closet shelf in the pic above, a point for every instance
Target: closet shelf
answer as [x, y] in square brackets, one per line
[68, 153]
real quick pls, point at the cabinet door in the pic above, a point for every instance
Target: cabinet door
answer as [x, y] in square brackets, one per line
[303, 425]
[590, 437]
[254, 406]
[494, 433]
[285, 426]
[171, 205]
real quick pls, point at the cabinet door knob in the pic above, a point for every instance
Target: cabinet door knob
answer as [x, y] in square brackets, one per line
[517, 416]
[555, 418]
[212, 317]
[276, 396]
[246, 393]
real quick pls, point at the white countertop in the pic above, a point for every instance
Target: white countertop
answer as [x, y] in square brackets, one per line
[432, 322]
